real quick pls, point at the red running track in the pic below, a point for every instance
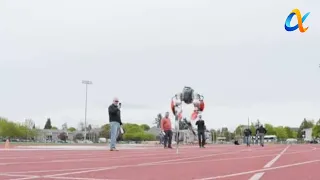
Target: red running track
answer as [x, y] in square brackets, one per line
[292, 162]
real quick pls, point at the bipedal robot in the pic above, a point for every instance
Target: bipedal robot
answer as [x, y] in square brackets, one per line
[189, 97]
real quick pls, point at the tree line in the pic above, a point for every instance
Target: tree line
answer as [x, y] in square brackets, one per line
[133, 132]
[9, 129]
[282, 132]
[27, 130]
[64, 126]
[137, 132]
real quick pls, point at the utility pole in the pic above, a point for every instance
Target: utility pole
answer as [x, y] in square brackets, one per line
[85, 110]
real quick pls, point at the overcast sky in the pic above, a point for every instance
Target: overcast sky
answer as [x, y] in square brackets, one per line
[236, 53]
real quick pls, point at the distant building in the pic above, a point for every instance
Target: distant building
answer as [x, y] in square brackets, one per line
[48, 135]
[52, 135]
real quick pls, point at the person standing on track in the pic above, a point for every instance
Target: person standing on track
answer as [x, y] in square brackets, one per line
[167, 130]
[201, 131]
[261, 131]
[247, 134]
[115, 122]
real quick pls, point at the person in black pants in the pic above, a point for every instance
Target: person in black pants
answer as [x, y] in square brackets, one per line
[201, 132]
[261, 132]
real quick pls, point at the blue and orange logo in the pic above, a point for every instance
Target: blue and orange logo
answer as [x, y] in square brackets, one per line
[300, 21]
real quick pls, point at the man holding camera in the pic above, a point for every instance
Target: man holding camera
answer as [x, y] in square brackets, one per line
[115, 122]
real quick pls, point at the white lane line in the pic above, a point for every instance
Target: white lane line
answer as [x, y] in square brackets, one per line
[51, 170]
[141, 164]
[257, 176]
[269, 164]
[56, 176]
[77, 178]
[174, 161]
[171, 161]
[260, 170]
[25, 178]
[90, 159]
[163, 163]
[21, 177]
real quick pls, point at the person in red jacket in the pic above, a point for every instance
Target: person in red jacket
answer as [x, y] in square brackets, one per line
[166, 129]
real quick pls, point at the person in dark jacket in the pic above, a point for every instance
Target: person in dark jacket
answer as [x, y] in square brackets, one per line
[201, 132]
[247, 135]
[115, 122]
[261, 132]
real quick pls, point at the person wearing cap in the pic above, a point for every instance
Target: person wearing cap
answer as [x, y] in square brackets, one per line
[166, 129]
[115, 122]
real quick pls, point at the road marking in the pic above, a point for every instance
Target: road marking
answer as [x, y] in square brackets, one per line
[51, 170]
[257, 176]
[137, 165]
[21, 177]
[163, 163]
[269, 164]
[77, 178]
[259, 170]
[222, 159]
[173, 161]
[25, 178]
[91, 159]
[214, 177]
[148, 164]
[95, 169]
[81, 172]
[190, 158]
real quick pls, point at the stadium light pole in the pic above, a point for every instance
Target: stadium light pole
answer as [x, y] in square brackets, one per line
[85, 110]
